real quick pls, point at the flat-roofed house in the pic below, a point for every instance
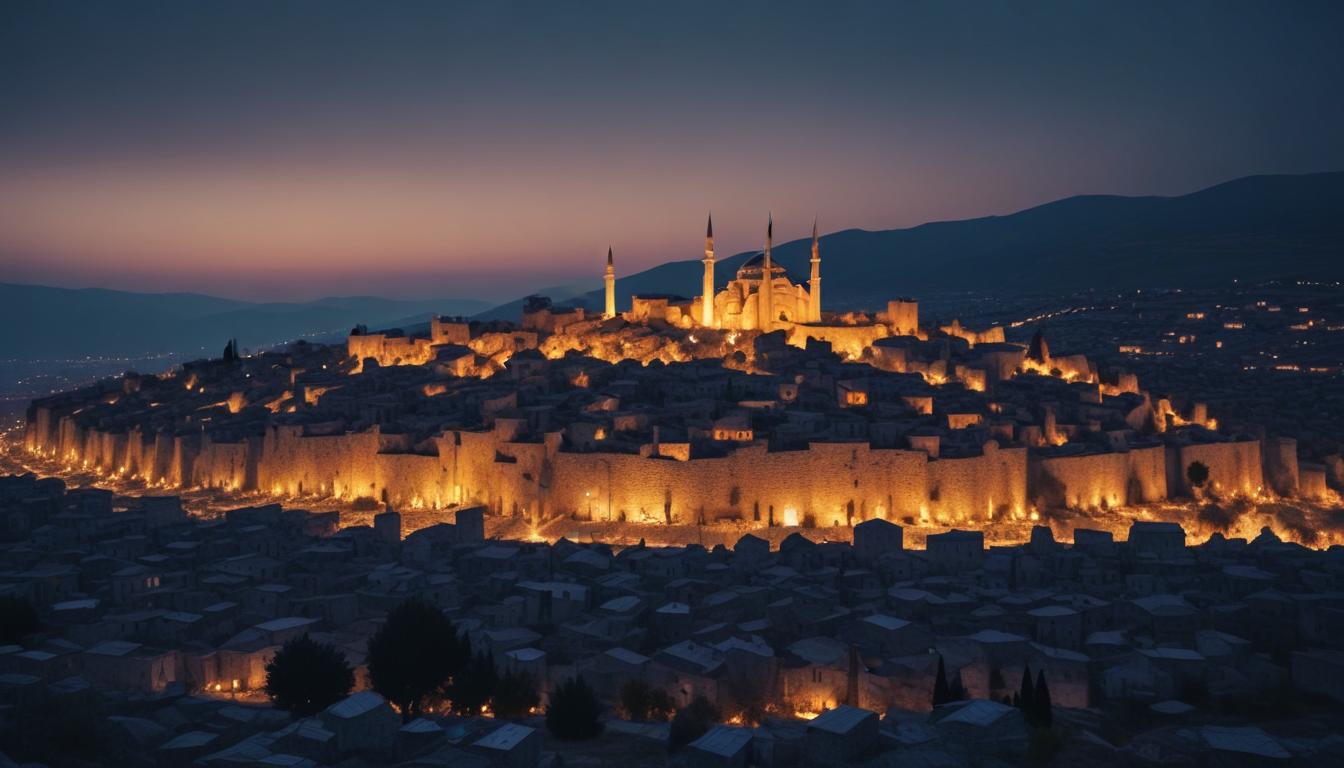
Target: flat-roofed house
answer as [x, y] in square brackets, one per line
[511, 746]
[722, 747]
[363, 723]
[840, 735]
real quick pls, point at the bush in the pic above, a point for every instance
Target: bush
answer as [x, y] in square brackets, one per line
[661, 706]
[473, 686]
[1045, 744]
[306, 676]
[634, 698]
[641, 702]
[58, 730]
[692, 722]
[1197, 473]
[414, 654]
[574, 711]
[18, 618]
[515, 695]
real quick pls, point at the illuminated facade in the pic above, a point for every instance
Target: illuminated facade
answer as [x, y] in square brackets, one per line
[876, 417]
[762, 296]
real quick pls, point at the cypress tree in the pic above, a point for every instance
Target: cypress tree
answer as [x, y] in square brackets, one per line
[940, 685]
[957, 690]
[1026, 698]
[1045, 715]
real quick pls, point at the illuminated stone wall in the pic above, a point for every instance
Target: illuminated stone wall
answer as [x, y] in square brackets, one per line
[1280, 465]
[489, 468]
[978, 488]
[1234, 467]
[411, 480]
[446, 330]
[828, 484]
[847, 340]
[992, 335]
[342, 465]
[162, 457]
[220, 465]
[39, 432]
[903, 317]
[1100, 480]
[1312, 482]
[390, 350]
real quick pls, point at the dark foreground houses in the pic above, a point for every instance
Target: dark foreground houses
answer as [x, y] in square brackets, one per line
[150, 632]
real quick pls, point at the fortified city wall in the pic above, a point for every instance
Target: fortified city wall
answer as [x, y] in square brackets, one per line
[829, 482]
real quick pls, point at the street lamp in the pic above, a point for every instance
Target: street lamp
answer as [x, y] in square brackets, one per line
[607, 462]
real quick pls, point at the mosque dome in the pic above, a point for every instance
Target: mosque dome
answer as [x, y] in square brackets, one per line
[752, 268]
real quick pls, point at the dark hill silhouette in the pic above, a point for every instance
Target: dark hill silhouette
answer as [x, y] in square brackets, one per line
[1254, 228]
[46, 323]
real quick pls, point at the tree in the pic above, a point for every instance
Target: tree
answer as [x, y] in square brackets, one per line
[661, 706]
[641, 702]
[746, 694]
[1197, 473]
[473, 686]
[306, 676]
[60, 730]
[18, 618]
[515, 695]
[573, 712]
[1044, 710]
[692, 722]
[1026, 695]
[956, 691]
[940, 690]
[634, 698]
[414, 654]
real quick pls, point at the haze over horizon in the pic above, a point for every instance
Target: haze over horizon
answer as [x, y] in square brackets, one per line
[291, 151]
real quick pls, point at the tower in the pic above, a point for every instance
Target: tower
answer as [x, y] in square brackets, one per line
[1039, 350]
[610, 280]
[707, 300]
[814, 284]
[766, 321]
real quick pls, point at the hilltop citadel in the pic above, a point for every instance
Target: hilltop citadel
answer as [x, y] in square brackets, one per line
[745, 404]
[795, 472]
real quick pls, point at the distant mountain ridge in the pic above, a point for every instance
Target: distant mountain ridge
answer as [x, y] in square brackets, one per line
[1252, 228]
[42, 322]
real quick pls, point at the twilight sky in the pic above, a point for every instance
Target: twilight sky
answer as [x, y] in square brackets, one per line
[289, 150]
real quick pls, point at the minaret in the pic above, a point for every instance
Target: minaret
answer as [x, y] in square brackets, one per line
[610, 281]
[814, 284]
[767, 309]
[707, 301]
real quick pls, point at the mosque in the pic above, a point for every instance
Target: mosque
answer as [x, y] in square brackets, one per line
[762, 297]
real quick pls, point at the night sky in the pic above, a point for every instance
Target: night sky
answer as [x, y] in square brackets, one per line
[288, 150]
